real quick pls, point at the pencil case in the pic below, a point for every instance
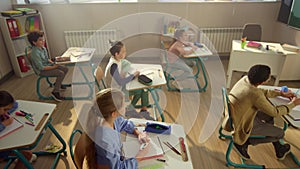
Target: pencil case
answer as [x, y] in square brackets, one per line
[144, 80]
[157, 128]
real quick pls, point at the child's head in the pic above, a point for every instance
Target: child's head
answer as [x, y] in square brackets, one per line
[6, 101]
[110, 101]
[180, 34]
[117, 50]
[259, 74]
[36, 38]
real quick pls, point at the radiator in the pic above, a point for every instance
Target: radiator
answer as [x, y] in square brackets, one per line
[220, 39]
[98, 39]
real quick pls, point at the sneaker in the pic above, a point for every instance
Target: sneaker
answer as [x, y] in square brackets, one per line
[242, 151]
[175, 84]
[33, 158]
[62, 87]
[146, 115]
[56, 96]
[282, 151]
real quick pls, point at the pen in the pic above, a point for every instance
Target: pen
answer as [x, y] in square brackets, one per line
[161, 160]
[29, 119]
[143, 146]
[26, 113]
[31, 124]
[172, 148]
[160, 145]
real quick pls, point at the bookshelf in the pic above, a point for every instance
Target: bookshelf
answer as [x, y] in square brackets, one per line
[15, 30]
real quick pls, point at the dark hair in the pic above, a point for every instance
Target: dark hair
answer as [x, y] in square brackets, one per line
[5, 98]
[34, 36]
[115, 47]
[258, 74]
[108, 101]
[178, 33]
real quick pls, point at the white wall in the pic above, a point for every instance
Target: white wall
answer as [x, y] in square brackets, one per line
[61, 17]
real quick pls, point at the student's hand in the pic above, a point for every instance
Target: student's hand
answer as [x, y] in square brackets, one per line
[142, 152]
[50, 61]
[288, 94]
[143, 137]
[8, 120]
[296, 101]
[136, 74]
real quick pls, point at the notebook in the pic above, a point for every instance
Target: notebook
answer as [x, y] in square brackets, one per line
[132, 147]
[295, 114]
[11, 128]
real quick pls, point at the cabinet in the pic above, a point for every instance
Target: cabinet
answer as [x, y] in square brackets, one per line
[15, 30]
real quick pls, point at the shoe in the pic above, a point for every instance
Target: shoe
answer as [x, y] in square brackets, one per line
[242, 151]
[56, 96]
[282, 151]
[33, 158]
[175, 84]
[146, 115]
[62, 87]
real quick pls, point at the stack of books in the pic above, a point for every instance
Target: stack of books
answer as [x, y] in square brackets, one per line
[11, 13]
[27, 11]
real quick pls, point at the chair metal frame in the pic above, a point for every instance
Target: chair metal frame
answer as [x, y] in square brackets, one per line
[75, 132]
[168, 71]
[230, 146]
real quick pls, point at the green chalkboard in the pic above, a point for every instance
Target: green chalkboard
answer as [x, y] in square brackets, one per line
[294, 20]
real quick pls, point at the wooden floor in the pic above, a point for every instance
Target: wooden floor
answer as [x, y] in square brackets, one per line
[195, 111]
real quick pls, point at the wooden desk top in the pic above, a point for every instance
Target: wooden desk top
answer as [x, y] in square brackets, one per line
[28, 135]
[78, 55]
[172, 160]
[276, 101]
[153, 71]
[200, 52]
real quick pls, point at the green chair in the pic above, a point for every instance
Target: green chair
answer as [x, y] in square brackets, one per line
[98, 75]
[229, 126]
[38, 82]
[170, 73]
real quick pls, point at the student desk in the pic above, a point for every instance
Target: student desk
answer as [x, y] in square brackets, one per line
[242, 59]
[287, 117]
[27, 137]
[81, 58]
[198, 57]
[173, 160]
[158, 80]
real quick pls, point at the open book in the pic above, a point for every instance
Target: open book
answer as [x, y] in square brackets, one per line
[11, 128]
[132, 146]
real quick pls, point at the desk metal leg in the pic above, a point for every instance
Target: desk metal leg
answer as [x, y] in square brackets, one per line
[153, 94]
[87, 82]
[23, 159]
[58, 153]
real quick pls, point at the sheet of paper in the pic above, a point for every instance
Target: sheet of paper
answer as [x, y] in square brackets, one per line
[132, 146]
[11, 128]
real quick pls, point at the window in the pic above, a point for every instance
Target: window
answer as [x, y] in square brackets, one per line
[117, 1]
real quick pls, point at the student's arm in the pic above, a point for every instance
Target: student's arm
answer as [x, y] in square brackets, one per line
[36, 59]
[116, 75]
[263, 104]
[2, 127]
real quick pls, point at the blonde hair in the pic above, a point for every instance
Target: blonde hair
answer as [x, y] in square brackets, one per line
[108, 101]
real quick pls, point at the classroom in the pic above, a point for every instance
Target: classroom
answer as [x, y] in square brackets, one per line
[147, 27]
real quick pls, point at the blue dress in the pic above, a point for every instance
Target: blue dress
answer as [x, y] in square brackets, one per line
[108, 145]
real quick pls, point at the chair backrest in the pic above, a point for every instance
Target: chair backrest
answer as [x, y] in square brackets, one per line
[227, 123]
[79, 152]
[99, 74]
[252, 31]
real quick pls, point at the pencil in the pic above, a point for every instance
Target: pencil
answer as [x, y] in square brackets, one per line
[172, 148]
[160, 144]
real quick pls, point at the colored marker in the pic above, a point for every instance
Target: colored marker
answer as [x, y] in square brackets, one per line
[29, 119]
[143, 146]
[31, 124]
